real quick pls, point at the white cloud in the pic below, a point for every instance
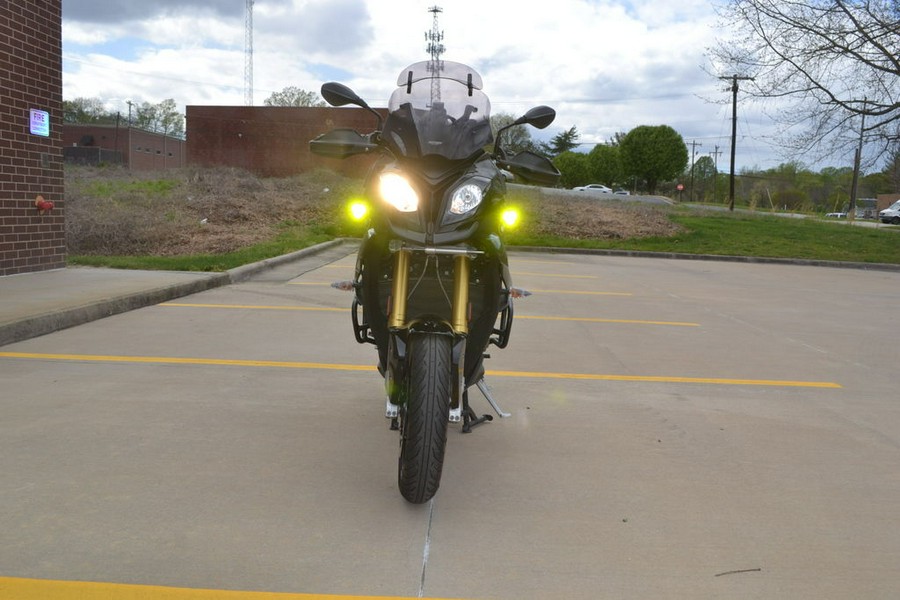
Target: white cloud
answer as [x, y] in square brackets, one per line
[605, 65]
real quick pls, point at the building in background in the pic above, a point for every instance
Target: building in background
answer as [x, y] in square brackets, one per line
[271, 141]
[32, 207]
[112, 144]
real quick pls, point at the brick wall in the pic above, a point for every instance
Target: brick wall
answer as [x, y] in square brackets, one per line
[271, 141]
[30, 165]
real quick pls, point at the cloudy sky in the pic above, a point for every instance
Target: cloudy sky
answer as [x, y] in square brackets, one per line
[607, 66]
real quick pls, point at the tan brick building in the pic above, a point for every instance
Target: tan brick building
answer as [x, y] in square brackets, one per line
[30, 136]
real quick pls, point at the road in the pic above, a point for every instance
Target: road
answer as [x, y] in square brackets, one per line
[680, 429]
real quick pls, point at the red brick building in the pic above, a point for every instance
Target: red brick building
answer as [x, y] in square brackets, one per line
[134, 148]
[31, 137]
[270, 141]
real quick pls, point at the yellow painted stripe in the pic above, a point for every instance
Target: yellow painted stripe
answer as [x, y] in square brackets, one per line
[40, 589]
[170, 360]
[555, 275]
[252, 306]
[598, 320]
[665, 379]
[163, 360]
[578, 292]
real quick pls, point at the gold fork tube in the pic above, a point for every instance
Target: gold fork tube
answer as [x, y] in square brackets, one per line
[460, 313]
[397, 318]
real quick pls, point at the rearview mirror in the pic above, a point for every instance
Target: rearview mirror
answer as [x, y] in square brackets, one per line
[338, 94]
[539, 117]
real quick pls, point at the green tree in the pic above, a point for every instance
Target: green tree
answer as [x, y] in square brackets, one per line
[294, 96]
[574, 167]
[605, 164]
[653, 153]
[562, 142]
[704, 171]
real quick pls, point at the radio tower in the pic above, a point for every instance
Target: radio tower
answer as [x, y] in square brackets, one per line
[248, 55]
[435, 49]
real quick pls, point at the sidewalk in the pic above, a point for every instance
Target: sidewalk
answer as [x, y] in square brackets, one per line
[33, 304]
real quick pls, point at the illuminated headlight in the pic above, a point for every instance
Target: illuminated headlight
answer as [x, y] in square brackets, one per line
[465, 199]
[396, 191]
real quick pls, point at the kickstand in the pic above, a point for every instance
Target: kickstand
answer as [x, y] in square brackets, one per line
[470, 417]
[482, 386]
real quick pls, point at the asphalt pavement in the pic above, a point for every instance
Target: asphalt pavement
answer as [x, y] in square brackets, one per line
[679, 429]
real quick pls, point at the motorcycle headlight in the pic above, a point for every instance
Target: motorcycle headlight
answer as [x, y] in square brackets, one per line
[465, 198]
[396, 191]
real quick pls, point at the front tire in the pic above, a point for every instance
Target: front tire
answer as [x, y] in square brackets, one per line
[423, 431]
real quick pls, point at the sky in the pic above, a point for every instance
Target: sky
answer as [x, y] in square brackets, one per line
[606, 66]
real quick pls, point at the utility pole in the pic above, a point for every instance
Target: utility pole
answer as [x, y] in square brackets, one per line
[715, 154]
[694, 145]
[734, 90]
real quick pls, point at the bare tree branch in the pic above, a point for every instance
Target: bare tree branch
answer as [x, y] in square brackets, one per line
[826, 63]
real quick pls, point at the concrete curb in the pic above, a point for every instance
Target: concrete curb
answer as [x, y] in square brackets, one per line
[713, 257]
[38, 325]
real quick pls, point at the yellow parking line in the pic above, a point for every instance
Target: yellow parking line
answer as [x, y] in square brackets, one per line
[599, 320]
[579, 292]
[665, 379]
[40, 589]
[555, 275]
[252, 306]
[166, 360]
[170, 360]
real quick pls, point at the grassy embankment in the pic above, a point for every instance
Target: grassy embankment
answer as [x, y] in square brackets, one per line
[219, 219]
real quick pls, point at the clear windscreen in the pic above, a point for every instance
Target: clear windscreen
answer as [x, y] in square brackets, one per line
[438, 109]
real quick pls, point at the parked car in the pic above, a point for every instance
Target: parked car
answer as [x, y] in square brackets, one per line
[836, 215]
[593, 187]
[622, 192]
[891, 214]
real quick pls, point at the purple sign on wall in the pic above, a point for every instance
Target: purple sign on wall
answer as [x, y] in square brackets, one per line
[40, 122]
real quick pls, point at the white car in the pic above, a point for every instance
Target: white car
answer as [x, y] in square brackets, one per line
[593, 187]
[891, 214]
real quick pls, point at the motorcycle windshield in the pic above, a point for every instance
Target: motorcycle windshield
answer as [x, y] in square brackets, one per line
[439, 109]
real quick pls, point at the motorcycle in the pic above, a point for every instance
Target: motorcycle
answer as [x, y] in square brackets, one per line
[432, 286]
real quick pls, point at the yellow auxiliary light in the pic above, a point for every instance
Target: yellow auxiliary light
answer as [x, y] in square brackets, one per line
[510, 217]
[358, 209]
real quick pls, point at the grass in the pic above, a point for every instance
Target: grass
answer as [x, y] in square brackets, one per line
[752, 235]
[110, 188]
[290, 239]
[123, 221]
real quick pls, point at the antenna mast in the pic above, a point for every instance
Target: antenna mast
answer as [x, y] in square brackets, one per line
[435, 49]
[248, 55]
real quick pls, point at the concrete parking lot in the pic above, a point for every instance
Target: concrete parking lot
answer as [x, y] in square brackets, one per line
[679, 429]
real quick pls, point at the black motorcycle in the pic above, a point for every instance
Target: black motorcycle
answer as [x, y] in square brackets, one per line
[432, 285]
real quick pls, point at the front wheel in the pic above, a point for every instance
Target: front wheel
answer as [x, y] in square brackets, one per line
[423, 430]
